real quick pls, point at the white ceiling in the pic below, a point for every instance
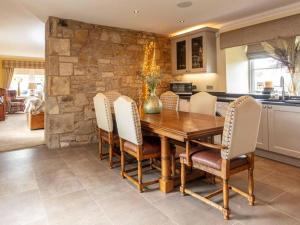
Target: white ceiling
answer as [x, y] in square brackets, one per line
[22, 21]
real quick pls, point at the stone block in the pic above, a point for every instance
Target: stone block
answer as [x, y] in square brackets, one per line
[53, 69]
[62, 123]
[89, 113]
[78, 71]
[81, 36]
[51, 105]
[81, 99]
[60, 86]
[66, 69]
[103, 61]
[115, 37]
[58, 46]
[52, 141]
[70, 59]
[84, 127]
[107, 74]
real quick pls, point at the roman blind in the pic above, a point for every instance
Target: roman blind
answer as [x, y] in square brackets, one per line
[283, 27]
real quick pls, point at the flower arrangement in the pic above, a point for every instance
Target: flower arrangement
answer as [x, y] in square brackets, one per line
[287, 52]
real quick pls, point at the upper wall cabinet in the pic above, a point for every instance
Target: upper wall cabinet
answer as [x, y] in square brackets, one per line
[195, 52]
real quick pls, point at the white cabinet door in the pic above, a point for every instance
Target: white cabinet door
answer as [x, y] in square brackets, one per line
[184, 105]
[263, 134]
[284, 130]
[222, 108]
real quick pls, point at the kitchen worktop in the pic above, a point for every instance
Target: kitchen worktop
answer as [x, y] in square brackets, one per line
[263, 98]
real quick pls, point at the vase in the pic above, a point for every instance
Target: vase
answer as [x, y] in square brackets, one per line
[294, 88]
[152, 104]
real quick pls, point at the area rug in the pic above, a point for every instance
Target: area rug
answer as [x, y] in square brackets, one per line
[15, 134]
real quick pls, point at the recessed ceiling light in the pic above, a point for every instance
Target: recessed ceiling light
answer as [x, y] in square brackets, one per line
[136, 11]
[184, 4]
[180, 21]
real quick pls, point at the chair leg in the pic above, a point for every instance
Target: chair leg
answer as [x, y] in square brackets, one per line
[225, 199]
[173, 161]
[151, 163]
[183, 175]
[140, 176]
[110, 146]
[100, 149]
[122, 164]
[251, 197]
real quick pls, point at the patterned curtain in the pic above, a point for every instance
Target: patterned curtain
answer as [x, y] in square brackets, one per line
[7, 77]
[10, 65]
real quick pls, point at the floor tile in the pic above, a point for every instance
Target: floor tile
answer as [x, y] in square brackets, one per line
[21, 209]
[76, 208]
[288, 204]
[58, 183]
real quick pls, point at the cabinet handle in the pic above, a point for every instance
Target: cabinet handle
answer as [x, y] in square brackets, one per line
[264, 107]
[269, 107]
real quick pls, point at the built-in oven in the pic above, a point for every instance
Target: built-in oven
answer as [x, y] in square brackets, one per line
[182, 88]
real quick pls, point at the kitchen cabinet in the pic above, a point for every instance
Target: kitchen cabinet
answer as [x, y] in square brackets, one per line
[284, 130]
[263, 133]
[194, 52]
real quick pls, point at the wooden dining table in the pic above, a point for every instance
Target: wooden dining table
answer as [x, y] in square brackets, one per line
[182, 127]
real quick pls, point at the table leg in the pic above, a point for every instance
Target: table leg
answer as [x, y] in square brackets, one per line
[166, 182]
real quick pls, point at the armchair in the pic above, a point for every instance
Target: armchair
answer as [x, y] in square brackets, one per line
[13, 103]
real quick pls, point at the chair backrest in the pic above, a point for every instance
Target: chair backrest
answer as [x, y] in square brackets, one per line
[103, 112]
[11, 95]
[128, 120]
[169, 100]
[203, 103]
[112, 96]
[241, 127]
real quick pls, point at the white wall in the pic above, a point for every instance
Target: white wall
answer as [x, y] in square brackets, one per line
[237, 70]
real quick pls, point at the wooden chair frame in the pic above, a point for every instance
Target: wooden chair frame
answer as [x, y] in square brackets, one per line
[112, 140]
[140, 156]
[224, 174]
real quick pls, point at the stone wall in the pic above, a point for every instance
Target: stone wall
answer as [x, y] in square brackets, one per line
[84, 59]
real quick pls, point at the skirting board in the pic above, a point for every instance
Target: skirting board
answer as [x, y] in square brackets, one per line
[278, 157]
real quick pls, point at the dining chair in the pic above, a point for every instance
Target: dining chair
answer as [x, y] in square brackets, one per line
[235, 155]
[170, 100]
[112, 96]
[105, 125]
[132, 141]
[203, 103]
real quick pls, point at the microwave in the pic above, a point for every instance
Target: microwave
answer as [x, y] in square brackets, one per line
[182, 88]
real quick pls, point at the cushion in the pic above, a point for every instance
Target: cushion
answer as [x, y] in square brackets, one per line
[212, 158]
[151, 144]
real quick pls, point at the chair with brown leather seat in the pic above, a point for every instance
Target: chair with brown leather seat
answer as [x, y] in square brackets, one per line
[131, 140]
[106, 130]
[236, 153]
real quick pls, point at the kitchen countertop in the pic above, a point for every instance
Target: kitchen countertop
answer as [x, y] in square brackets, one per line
[264, 99]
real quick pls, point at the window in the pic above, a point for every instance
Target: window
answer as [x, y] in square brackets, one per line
[266, 69]
[22, 78]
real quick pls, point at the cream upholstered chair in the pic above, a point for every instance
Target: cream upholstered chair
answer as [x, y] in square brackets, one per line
[203, 103]
[112, 96]
[170, 100]
[105, 126]
[234, 155]
[132, 141]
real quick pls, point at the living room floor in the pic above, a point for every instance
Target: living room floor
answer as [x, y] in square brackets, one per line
[15, 134]
[72, 187]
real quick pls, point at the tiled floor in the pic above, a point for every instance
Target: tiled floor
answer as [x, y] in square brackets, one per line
[15, 133]
[72, 187]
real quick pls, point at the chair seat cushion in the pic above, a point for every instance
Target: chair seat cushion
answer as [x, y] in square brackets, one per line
[212, 158]
[151, 145]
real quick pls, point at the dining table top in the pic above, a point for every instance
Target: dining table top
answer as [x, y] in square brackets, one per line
[182, 126]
